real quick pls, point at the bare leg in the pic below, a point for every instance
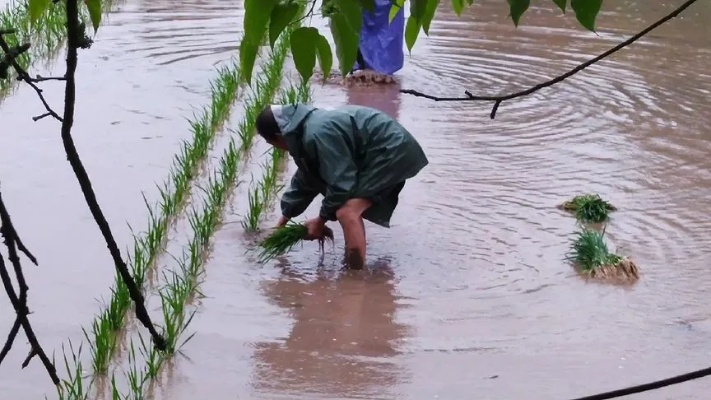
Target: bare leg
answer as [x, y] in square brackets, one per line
[351, 220]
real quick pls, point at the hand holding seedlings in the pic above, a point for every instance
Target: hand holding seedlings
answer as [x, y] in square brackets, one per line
[284, 238]
[315, 228]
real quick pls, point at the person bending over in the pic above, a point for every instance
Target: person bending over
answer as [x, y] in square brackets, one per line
[357, 157]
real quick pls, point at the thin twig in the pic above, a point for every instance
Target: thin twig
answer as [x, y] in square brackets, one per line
[19, 302]
[21, 73]
[498, 99]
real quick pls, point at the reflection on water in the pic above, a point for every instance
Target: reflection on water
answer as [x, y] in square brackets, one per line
[385, 98]
[342, 340]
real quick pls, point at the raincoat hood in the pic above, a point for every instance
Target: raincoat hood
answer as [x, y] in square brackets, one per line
[290, 117]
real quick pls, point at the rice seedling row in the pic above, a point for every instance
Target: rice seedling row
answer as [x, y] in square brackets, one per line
[106, 328]
[263, 193]
[46, 35]
[182, 284]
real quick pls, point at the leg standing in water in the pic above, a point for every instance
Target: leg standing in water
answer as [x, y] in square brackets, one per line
[357, 157]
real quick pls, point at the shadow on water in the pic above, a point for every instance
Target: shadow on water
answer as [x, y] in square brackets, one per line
[343, 339]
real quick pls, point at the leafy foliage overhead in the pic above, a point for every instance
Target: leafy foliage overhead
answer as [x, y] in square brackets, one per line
[265, 20]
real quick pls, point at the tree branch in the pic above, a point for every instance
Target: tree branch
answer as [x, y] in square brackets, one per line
[11, 55]
[75, 37]
[498, 99]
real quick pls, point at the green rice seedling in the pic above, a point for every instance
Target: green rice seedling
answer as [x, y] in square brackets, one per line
[284, 238]
[73, 387]
[589, 252]
[115, 394]
[136, 378]
[255, 209]
[589, 208]
[152, 358]
[103, 345]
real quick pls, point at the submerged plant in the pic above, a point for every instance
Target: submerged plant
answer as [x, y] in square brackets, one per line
[589, 208]
[589, 252]
[284, 238]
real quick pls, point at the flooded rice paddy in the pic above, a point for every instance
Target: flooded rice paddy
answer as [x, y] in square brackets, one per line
[470, 296]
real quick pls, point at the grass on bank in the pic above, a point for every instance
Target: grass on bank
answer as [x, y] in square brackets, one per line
[589, 208]
[590, 254]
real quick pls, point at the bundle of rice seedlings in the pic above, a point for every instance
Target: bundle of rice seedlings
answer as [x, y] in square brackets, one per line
[284, 238]
[590, 254]
[589, 208]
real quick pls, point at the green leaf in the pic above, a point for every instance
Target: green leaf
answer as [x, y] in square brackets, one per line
[36, 8]
[429, 15]
[256, 18]
[247, 56]
[368, 5]
[459, 5]
[303, 49]
[346, 42]
[586, 12]
[412, 29]
[417, 9]
[351, 10]
[395, 8]
[517, 9]
[561, 4]
[325, 56]
[282, 15]
[94, 7]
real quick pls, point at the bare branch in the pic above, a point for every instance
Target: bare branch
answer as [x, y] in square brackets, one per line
[75, 40]
[19, 302]
[10, 339]
[21, 73]
[48, 78]
[498, 99]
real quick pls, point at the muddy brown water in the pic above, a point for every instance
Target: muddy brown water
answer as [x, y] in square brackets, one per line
[470, 296]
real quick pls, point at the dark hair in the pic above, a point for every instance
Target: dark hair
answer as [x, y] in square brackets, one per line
[266, 125]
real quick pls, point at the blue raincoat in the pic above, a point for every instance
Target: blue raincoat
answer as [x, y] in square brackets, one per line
[381, 42]
[349, 152]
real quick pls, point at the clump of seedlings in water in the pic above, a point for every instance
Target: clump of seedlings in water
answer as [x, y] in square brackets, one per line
[589, 208]
[284, 238]
[182, 285]
[589, 253]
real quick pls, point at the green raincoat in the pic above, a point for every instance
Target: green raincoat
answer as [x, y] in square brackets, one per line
[349, 152]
